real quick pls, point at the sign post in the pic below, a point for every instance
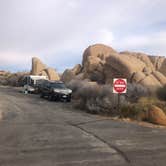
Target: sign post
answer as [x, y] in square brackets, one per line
[119, 87]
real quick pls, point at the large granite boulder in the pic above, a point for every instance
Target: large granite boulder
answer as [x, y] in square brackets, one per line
[159, 63]
[142, 57]
[70, 74]
[94, 59]
[38, 68]
[162, 68]
[156, 115]
[52, 74]
[102, 63]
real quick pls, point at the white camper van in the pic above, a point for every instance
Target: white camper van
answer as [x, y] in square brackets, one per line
[30, 83]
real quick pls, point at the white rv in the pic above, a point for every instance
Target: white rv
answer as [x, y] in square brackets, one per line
[30, 83]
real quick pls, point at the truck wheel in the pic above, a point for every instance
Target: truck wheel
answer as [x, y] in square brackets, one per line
[42, 95]
[68, 99]
[25, 92]
[50, 98]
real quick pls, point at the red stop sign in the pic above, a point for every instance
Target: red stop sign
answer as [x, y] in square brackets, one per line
[119, 85]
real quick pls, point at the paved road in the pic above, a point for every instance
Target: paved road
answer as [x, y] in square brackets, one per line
[35, 132]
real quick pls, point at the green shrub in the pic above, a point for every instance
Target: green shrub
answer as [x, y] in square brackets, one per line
[135, 92]
[134, 111]
[139, 110]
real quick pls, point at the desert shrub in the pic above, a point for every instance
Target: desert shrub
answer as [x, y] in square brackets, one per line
[95, 98]
[153, 101]
[135, 91]
[3, 80]
[135, 111]
[13, 79]
[161, 93]
[140, 109]
[148, 100]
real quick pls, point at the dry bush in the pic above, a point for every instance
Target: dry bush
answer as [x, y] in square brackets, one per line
[3, 80]
[135, 92]
[161, 93]
[139, 110]
[136, 111]
[153, 101]
[95, 98]
[13, 79]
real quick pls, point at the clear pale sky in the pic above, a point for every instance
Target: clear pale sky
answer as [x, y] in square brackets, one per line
[58, 31]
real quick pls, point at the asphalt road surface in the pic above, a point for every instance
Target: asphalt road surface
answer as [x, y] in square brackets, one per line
[36, 132]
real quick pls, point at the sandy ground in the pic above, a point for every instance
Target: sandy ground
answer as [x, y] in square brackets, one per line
[35, 132]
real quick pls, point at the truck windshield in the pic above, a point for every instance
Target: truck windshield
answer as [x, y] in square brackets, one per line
[58, 85]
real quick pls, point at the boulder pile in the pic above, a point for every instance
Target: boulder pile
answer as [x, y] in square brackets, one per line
[102, 63]
[12, 79]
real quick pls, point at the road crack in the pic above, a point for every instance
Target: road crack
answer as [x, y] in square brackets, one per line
[103, 141]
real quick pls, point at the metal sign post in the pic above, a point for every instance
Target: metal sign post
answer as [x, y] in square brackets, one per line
[119, 87]
[118, 104]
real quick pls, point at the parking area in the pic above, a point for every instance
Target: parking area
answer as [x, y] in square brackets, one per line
[35, 132]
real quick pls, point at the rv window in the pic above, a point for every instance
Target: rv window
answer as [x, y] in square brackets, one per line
[32, 82]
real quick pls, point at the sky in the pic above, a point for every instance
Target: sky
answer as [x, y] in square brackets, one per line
[58, 31]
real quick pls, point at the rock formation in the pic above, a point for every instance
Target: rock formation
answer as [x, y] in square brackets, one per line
[68, 74]
[38, 68]
[3, 73]
[159, 63]
[102, 63]
[52, 74]
[12, 79]
[156, 115]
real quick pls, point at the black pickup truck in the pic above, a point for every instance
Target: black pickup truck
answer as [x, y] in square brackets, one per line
[55, 90]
